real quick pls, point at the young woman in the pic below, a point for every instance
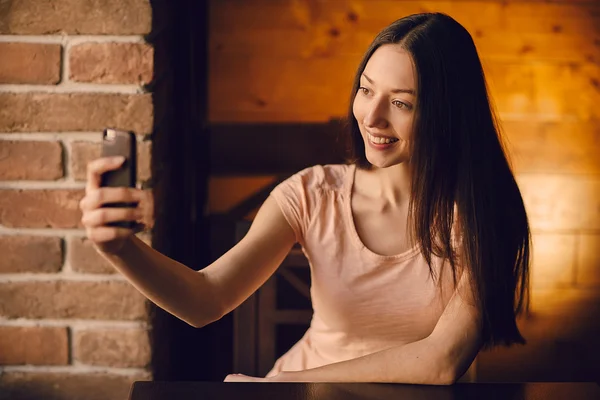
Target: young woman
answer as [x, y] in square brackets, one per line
[419, 247]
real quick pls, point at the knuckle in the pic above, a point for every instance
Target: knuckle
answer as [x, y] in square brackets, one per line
[92, 234]
[102, 216]
[113, 234]
[98, 196]
[91, 166]
[133, 213]
[85, 219]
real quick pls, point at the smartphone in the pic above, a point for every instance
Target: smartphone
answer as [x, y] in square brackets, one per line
[120, 143]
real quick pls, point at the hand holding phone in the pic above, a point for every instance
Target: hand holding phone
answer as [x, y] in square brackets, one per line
[112, 209]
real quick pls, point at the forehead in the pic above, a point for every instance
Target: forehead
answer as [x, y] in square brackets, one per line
[391, 65]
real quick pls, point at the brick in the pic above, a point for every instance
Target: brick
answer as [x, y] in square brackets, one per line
[32, 63]
[40, 208]
[112, 300]
[84, 152]
[21, 160]
[64, 386]
[122, 348]
[52, 112]
[588, 263]
[553, 260]
[111, 63]
[107, 17]
[34, 345]
[23, 253]
[83, 257]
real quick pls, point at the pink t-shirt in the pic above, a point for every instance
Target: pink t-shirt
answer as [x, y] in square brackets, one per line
[363, 302]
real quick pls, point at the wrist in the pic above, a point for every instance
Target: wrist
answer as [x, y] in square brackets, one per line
[284, 376]
[116, 249]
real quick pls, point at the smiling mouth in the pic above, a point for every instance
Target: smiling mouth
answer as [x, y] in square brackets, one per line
[381, 140]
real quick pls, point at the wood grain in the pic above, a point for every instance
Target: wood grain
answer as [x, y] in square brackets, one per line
[553, 263]
[252, 88]
[588, 265]
[561, 202]
[286, 60]
[565, 147]
[550, 31]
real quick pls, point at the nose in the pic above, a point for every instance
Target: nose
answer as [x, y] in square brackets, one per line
[375, 116]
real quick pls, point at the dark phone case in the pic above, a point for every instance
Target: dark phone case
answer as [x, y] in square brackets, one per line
[120, 143]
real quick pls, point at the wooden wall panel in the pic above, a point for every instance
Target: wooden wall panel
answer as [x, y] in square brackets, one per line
[561, 343]
[225, 193]
[553, 261]
[568, 91]
[572, 303]
[588, 265]
[561, 202]
[251, 89]
[332, 28]
[565, 147]
[294, 60]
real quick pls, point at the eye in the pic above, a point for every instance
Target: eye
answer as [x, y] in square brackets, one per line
[401, 105]
[364, 90]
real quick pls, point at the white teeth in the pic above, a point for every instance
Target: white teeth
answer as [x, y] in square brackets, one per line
[381, 140]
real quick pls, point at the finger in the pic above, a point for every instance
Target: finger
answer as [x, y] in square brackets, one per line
[98, 197]
[103, 216]
[96, 168]
[235, 378]
[106, 234]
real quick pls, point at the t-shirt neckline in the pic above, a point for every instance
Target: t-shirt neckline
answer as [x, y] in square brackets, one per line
[348, 186]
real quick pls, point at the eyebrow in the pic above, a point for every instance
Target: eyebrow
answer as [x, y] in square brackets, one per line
[409, 91]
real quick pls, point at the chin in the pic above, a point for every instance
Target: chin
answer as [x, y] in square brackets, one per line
[385, 162]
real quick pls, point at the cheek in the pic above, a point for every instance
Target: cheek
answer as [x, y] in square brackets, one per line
[404, 126]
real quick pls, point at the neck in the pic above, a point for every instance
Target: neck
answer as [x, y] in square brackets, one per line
[391, 185]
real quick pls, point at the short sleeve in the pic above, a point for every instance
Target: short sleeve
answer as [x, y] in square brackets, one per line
[299, 198]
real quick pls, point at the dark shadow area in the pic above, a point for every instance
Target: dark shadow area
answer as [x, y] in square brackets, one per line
[180, 172]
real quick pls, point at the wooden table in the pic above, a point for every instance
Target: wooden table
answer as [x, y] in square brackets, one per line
[364, 391]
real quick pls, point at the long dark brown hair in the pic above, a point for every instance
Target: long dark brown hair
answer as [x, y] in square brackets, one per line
[458, 160]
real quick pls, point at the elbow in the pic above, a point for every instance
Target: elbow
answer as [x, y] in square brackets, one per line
[439, 377]
[205, 319]
[447, 376]
[196, 323]
[205, 309]
[201, 323]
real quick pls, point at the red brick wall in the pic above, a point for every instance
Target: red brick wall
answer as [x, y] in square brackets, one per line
[69, 326]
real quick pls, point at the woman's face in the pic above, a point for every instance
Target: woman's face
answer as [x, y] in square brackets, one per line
[384, 106]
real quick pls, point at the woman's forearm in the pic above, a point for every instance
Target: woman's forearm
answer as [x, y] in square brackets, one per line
[417, 362]
[169, 284]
